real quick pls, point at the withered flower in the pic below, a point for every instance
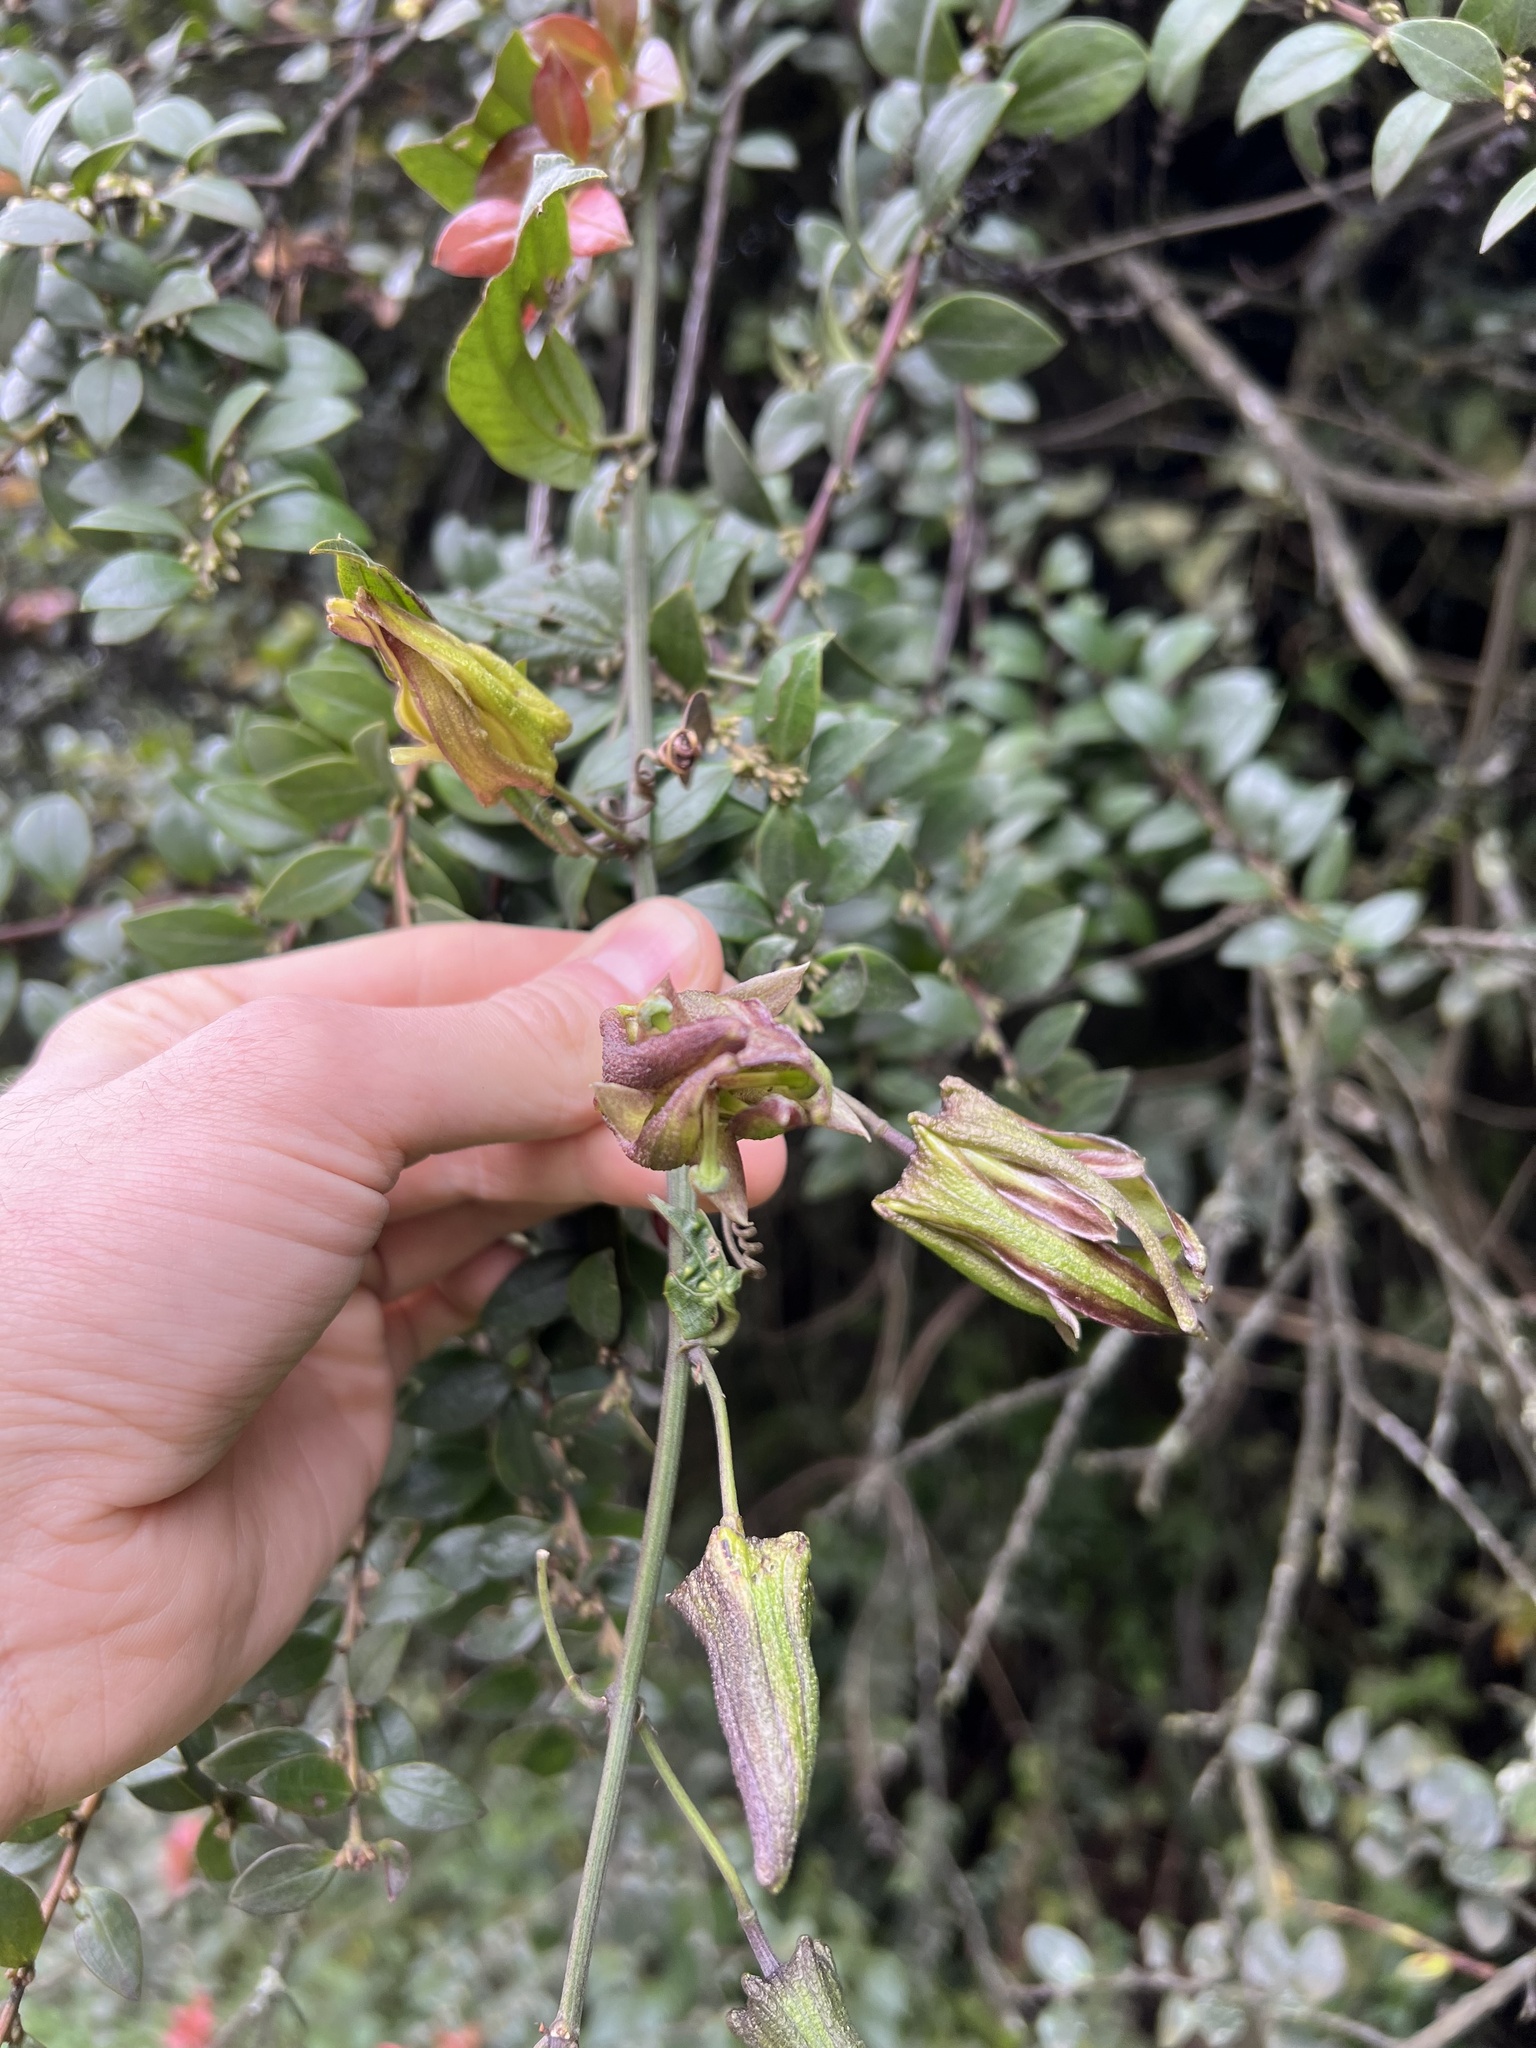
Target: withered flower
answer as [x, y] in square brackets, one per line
[800, 2006]
[1033, 1216]
[749, 1604]
[687, 1077]
[460, 703]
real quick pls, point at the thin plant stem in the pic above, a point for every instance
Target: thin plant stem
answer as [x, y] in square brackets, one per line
[638, 703]
[690, 353]
[563, 1664]
[624, 1694]
[59, 1884]
[705, 1375]
[746, 1912]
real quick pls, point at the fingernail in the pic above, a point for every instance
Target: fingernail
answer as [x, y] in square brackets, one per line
[640, 947]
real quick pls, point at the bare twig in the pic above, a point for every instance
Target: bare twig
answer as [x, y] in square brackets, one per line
[1378, 637]
[839, 467]
[315, 136]
[962, 544]
[73, 1832]
[706, 260]
[1460, 2018]
[1108, 1355]
[1501, 638]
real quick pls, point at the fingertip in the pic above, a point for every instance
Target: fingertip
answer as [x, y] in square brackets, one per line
[764, 1161]
[650, 941]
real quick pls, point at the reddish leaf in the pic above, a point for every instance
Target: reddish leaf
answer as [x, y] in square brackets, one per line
[583, 47]
[480, 241]
[560, 110]
[507, 170]
[595, 221]
[618, 20]
[656, 80]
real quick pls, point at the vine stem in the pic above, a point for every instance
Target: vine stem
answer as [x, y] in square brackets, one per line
[821, 510]
[762, 1949]
[639, 709]
[624, 1695]
[705, 1376]
[59, 1884]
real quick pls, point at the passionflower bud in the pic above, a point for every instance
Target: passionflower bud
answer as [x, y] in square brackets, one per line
[749, 1604]
[460, 703]
[799, 2006]
[1033, 1216]
[687, 1077]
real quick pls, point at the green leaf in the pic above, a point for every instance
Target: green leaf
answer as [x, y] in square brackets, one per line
[1510, 211]
[788, 851]
[210, 198]
[1186, 33]
[981, 338]
[42, 224]
[234, 327]
[290, 522]
[891, 31]
[1214, 877]
[374, 1659]
[21, 1923]
[1309, 61]
[1034, 957]
[132, 517]
[234, 1764]
[788, 428]
[178, 292]
[51, 837]
[1401, 138]
[164, 1785]
[728, 462]
[338, 698]
[18, 296]
[595, 1300]
[861, 978]
[292, 423]
[316, 884]
[208, 934]
[953, 136]
[1073, 76]
[329, 790]
[284, 1880]
[537, 417]
[1451, 59]
[102, 109]
[248, 813]
[443, 172]
[857, 856]
[789, 697]
[313, 1785]
[141, 579]
[104, 395]
[1229, 716]
[228, 415]
[175, 126]
[1045, 1038]
[108, 1941]
[1144, 715]
[677, 640]
[425, 1796]
[737, 913]
[1381, 921]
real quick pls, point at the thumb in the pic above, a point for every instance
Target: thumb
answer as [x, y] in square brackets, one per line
[518, 1065]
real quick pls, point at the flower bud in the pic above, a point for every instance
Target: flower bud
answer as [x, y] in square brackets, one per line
[686, 1078]
[799, 2006]
[461, 703]
[1033, 1215]
[749, 1604]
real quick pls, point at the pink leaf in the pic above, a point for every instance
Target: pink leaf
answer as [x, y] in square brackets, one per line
[656, 80]
[480, 241]
[595, 221]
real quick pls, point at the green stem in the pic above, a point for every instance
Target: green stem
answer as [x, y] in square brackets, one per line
[746, 1912]
[566, 1668]
[704, 1373]
[624, 1694]
[639, 707]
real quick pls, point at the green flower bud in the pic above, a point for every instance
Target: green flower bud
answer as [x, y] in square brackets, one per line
[799, 2006]
[460, 703]
[1033, 1216]
[749, 1604]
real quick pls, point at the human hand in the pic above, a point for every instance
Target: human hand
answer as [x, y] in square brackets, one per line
[237, 1206]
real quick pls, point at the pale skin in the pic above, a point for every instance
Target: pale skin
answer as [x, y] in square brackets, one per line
[237, 1207]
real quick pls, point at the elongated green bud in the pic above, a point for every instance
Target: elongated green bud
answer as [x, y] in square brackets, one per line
[800, 2006]
[749, 1604]
[1033, 1216]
